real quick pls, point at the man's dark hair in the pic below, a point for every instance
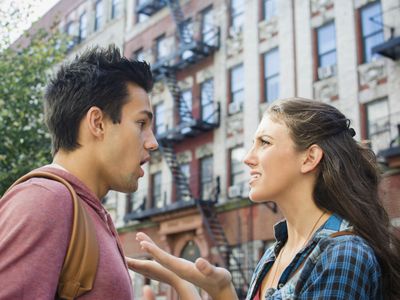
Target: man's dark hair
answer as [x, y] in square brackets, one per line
[98, 77]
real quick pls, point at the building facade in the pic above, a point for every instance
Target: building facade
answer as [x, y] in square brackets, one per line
[218, 65]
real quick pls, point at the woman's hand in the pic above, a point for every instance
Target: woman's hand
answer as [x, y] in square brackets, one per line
[217, 282]
[155, 271]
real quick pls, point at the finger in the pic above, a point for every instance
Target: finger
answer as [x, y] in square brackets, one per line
[204, 267]
[141, 236]
[148, 293]
[151, 269]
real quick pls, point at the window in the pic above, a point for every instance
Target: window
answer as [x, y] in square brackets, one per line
[135, 201]
[236, 163]
[237, 84]
[99, 15]
[269, 9]
[378, 124]
[326, 37]
[82, 27]
[139, 54]
[156, 190]
[191, 251]
[187, 30]
[115, 9]
[187, 36]
[206, 177]
[208, 29]
[159, 116]
[271, 75]
[185, 109]
[70, 31]
[237, 14]
[162, 49]
[185, 169]
[207, 101]
[371, 28]
[141, 17]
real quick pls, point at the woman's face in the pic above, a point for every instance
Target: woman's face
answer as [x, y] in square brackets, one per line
[274, 162]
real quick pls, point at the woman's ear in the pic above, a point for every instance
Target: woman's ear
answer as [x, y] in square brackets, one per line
[95, 121]
[312, 157]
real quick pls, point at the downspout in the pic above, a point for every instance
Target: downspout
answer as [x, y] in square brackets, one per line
[294, 46]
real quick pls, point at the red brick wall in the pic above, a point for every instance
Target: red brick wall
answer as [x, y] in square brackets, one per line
[390, 194]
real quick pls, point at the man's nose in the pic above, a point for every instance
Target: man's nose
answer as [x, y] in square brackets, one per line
[151, 142]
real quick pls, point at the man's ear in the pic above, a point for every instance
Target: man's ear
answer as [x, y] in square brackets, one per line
[95, 121]
[312, 157]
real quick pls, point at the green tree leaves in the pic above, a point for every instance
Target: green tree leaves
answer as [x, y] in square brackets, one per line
[24, 140]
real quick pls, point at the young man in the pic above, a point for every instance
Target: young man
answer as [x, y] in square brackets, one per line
[99, 115]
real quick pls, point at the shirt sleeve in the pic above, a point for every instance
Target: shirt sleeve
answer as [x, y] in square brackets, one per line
[346, 269]
[35, 228]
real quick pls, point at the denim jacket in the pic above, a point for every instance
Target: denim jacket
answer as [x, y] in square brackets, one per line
[342, 267]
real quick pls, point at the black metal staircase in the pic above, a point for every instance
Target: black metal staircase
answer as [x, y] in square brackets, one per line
[181, 181]
[165, 70]
[219, 239]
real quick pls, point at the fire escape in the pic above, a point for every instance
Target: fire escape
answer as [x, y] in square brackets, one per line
[191, 51]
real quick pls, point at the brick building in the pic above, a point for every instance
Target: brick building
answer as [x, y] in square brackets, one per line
[218, 65]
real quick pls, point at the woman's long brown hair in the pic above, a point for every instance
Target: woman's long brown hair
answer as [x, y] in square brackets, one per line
[348, 178]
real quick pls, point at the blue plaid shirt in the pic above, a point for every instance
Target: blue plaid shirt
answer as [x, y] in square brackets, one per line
[342, 267]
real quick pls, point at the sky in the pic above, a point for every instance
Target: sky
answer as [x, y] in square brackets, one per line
[11, 23]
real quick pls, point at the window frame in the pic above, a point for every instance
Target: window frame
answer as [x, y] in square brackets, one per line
[270, 77]
[233, 174]
[115, 9]
[265, 15]
[204, 106]
[98, 15]
[156, 189]
[206, 178]
[366, 58]
[82, 29]
[233, 88]
[330, 51]
[159, 118]
[234, 16]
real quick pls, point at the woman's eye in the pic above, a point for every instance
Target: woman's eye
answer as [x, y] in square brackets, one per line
[264, 142]
[141, 124]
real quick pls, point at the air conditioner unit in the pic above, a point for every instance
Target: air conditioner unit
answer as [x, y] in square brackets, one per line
[326, 72]
[235, 31]
[234, 107]
[234, 191]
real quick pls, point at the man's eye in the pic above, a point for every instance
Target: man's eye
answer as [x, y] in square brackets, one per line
[142, 124]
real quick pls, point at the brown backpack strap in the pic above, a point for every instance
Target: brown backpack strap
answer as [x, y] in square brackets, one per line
[340, 233]
[333, 235]
[80, 263]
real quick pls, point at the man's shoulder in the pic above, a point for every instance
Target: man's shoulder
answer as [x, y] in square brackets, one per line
[37, 194]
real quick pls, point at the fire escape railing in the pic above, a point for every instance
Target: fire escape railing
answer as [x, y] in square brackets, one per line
[190, 51]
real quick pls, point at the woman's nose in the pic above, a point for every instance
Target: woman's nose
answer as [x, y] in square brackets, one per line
[249, 158]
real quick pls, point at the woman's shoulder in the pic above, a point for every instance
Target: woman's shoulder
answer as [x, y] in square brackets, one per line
[349, 250]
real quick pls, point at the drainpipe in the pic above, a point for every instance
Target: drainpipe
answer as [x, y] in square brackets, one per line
[294, 46]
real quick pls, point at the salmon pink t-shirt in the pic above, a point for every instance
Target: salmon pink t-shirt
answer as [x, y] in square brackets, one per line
[35, 229]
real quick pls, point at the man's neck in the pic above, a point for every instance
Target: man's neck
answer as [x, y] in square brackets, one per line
[80, 165]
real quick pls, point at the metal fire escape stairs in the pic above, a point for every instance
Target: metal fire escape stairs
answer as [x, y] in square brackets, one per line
[188, 126]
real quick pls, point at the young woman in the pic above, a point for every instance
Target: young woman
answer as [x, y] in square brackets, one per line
[335, 241]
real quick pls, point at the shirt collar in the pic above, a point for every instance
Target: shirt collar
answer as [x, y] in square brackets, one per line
[333, 224]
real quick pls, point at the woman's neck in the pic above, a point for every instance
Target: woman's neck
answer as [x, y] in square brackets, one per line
[303, 219]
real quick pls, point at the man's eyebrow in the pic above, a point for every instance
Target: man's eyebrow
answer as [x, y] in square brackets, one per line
[148, 113]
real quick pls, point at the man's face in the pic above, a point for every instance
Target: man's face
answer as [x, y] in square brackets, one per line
[127, 145]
